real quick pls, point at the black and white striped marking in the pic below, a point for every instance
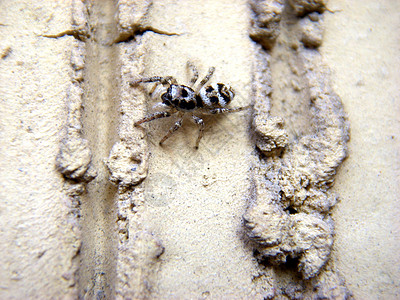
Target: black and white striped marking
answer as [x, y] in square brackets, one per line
[216, 95]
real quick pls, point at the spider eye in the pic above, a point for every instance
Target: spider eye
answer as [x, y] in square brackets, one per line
[166, 98]
[191, 105]
[209, 89]
[184, 93]
[182, 104]
[214, 99]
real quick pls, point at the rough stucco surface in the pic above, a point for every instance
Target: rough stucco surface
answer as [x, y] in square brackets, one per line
[39, 230]
[93, 207]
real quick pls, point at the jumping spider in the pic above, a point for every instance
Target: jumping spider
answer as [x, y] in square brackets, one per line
[180, 99]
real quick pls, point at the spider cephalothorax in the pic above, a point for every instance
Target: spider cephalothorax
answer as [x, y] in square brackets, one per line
[181, 99]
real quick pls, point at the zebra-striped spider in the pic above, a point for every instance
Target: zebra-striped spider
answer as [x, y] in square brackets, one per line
[181, 99]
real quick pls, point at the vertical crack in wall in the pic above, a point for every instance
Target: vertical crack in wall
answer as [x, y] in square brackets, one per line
[137, 249]
[301, 132]
[74, 159]
[98, 222]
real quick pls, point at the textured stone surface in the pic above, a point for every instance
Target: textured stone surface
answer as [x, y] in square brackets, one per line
[169, 223]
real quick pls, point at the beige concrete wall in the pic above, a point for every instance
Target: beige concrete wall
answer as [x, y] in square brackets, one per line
[361, 47]
[163, 222]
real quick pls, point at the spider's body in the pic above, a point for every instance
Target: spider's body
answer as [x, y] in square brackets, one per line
[180, 97]
[216, 95]
[183, 99]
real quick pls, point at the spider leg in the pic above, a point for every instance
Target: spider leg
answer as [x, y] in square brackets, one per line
[205, 79]
[195, 72]
[177, 125]
[152, 90]
[200, 122]
[222, 110]
[162, 80]
[157, 115]
[168, 80]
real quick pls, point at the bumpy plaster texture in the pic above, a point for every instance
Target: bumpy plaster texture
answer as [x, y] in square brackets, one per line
[138, 259]
[138, 250]
[265, 22]
[127, 161]
[302, 7]
[289, 217]
[74, 157]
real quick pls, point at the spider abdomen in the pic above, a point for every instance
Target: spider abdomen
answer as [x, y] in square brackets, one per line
[215, 95]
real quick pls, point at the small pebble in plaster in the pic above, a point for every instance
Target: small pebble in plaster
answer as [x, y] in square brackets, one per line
[74, 159]
[127, 164]
[272, 138]
[5, 52]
